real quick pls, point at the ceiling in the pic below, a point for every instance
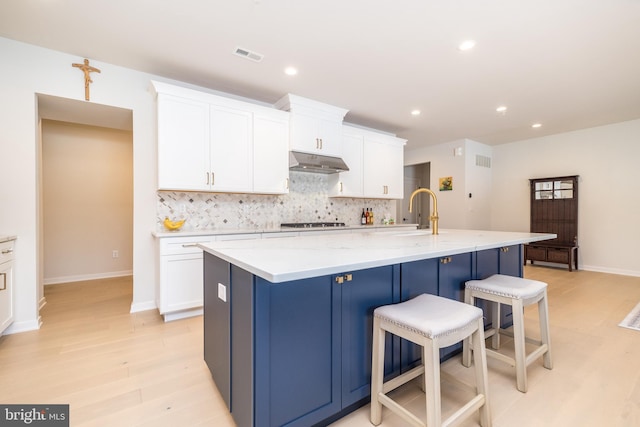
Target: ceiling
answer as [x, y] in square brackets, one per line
[566, 64]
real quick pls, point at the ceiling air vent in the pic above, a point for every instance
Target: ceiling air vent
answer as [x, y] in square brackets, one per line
[246, 53]
[483, 161]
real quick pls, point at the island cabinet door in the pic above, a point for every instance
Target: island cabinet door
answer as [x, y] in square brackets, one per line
[416, 278]
[297, 352]
[217, 324]
[453, 272]
[362, 292]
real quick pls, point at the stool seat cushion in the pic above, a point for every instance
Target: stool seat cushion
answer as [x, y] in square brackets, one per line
[430, 315]
[508, 286]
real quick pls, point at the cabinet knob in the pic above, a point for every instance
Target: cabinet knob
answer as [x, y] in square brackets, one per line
[445, 260]
[504, 249]
[348, 277]
[340, 280]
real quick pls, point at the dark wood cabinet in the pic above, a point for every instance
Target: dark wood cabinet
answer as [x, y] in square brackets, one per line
[554, 209]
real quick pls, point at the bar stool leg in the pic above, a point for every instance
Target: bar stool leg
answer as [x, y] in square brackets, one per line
[467, 342]
[545, 335]
[431, 358]
[519, 344]
[482, 378]
[377, 371]
[495, 325]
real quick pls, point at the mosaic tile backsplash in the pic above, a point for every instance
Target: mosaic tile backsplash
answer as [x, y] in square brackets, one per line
[307, 201]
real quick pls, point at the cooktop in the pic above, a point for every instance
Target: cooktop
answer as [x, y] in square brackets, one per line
[312, 224]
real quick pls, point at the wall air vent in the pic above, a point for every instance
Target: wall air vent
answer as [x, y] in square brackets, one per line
[483, 161]
[247, 54]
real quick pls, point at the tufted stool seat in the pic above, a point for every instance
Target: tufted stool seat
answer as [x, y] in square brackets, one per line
[518, 293]
[432, 322]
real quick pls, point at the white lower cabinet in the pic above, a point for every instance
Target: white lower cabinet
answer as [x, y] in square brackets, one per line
[180, 285]
[179, 294]
[6, 285]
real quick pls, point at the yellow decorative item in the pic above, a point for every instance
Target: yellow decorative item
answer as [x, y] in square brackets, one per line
[173, 225]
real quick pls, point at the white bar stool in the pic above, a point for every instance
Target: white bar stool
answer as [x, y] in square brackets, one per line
[432, 322]
[518, 293]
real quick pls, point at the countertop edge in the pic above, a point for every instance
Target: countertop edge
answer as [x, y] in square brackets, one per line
[502, 239]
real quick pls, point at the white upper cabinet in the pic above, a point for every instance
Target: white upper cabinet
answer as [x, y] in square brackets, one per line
[314, 127]
[183, 143]
[212, 143]
[271, 152]
[383, 159]
[231, 150]
[376, 166]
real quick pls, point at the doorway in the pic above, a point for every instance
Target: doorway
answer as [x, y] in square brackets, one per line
[85, 192]
[416, 176]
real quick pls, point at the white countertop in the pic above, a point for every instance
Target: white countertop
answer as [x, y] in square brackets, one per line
[220, 231]
[6, 238]
[293, 258]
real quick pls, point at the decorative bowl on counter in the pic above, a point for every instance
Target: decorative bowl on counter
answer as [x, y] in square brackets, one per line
[172, 225]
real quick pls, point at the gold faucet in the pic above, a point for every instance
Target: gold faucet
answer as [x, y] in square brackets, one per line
[434, 216]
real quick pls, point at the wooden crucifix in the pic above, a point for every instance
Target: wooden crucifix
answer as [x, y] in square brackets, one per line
[86, 69]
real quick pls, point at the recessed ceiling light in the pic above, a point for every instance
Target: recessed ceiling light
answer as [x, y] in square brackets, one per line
[291, 71]
[415, 113]
[501, 109]
[466, 45]
[536, 125]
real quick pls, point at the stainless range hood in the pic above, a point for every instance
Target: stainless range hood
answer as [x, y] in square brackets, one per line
[306, 162]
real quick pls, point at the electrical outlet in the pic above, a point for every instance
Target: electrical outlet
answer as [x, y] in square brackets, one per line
[115, 254]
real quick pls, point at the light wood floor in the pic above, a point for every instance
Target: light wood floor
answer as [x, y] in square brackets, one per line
[121, 369]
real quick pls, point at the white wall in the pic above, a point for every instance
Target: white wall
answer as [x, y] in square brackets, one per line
[26, 71]
[606, 158]
[455, 208]
[87, 182]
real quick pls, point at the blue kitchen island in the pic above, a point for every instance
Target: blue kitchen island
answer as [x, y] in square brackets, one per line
[288, 321]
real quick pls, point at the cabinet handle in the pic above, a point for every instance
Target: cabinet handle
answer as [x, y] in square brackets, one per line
[207, 178]
[445, 260]
[7, 251]
[504, 249]
[341, 186]
[286, 184]
[348, 277]
[189, 245]
[4, 281]
[340, 280]
[317, 143]
[321, 143]
[213, 178]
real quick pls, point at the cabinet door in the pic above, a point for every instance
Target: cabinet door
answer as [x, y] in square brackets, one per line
[316, 135]
[367, 290]
[270, 154]
[453, 273]
[183, 144]
[297, 334]
[330, 133]
[231, 150]
[383, 169]
[181, 277]
[217, 323]
[6, 295]
[350, 183]
[417, 277]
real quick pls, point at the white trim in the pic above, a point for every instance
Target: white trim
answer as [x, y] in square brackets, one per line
[143, 306]
[83, 277]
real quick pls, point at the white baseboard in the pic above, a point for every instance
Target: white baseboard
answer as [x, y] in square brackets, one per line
[143, 306]
[611, 270]
[17, 327]
[83, 277]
